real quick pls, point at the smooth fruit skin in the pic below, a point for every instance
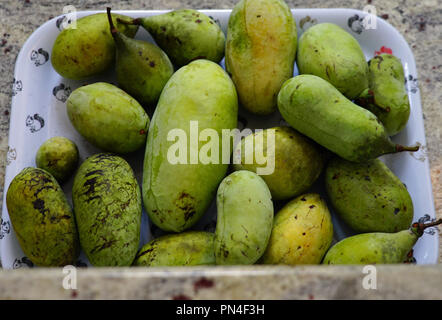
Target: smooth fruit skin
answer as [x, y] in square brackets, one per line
[302, 232]
[87, 50]
[368, 196]
[260, 51]
[142, 68]
[108, 117]
[386, 96]
[372, 248]
[244, 218]
[42, 219]
[186, 35]
[328, 51]
[318, 110]
[107, 206]
[191, 248]
[59, 157]
[177, 195]
[298, 160]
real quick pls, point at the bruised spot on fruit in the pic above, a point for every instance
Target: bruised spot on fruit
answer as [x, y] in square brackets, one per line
[39, 205]
[396, 210]
[312, 206]
[303, 199]
[367, 178]
[163, 28]
[142, 131]
[185, 202]
[105, 245]
[152, 64]
[198, 21]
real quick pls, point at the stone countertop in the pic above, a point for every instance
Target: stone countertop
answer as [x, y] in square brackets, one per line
[419, 22]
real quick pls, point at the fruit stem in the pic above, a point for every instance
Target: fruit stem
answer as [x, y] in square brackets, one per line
[400, 148]
[419, 227]
[113, 30]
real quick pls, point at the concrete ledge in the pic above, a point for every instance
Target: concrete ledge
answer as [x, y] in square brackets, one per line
[253, 282]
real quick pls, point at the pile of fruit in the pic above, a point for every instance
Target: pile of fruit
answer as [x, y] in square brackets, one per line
[341, 111]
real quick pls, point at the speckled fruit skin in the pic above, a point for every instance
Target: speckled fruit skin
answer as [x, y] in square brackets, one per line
[302, 232]
[191, 248]
[186, 35]
[177, 195]
[260, 51]
[107, 206]
[298, 161]
[368, 196]
[318, 110]
[108, 117]
[88, 49]
[42, 219]
[59, 157]
[328, 51]
[386, 96]
[373, 248]
[245, 218]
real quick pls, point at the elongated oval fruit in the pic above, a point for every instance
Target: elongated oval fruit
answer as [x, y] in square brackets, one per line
[86, 48]
[178, 183]
[318, 110]
[302, 232]
[296, 161]
[185, 35]
[244, 218]
[42, 219]
[108, 117]
[142, 68]
[191, 248]
[377, 247]
[328, 51]
[107, 206]
[260, 51]
[386, 96]
[368, 196]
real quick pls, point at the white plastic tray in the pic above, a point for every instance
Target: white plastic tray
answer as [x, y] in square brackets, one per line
[39, 112]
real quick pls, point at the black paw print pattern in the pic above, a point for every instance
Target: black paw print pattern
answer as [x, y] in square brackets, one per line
[307, 22]
[17, 86]
[35, 123]
[11, 155]
[5, 228]
[411, 84]
[23, 262]
[355, 24]
[426, 218]
[39, 57]
[61, 22]
[61, 92]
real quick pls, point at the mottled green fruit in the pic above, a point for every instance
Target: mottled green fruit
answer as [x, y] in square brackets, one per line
[59, 157]
[142, 68]
[86, 48]
[186, 35]
[177, 186]
[260, 51]
[42, 219]
[328, 51]
[302, 232]
[108, 117]
[368, 196]
[245, 218]
[107, 206]
[386, 96]
[377, 248]
[297, 161]
[318, 110]
[192, 248]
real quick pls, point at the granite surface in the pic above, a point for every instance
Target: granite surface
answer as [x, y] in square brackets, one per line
[420, 22]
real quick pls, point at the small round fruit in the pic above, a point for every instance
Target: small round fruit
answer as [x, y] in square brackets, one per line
[58, 156]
